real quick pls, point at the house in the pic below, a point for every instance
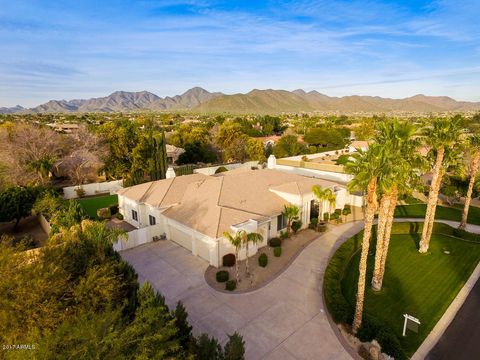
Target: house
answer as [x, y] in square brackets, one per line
[358, 144]
[195, 210]
[173, 153]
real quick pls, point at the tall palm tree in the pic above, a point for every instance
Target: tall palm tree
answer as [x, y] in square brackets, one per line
[398, 176]
[443, 136]
[247, 238]
[474, 147]
[291, 212]
[366, 167]
[236, 241]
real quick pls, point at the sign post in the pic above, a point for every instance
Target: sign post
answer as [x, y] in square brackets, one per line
[412, 326]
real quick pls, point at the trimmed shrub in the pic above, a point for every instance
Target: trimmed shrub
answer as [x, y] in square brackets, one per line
[326, 216]
[322, 227]
[334, 216]
[221, 169]
[119, 216]
[283, 235]
[313, 223]
[369, 329]
[230, 285]
[113, 209]
[222, 276]
[277, 251]
[296, 225]
[275, 242]
[466, 235]
[390, 344]
[263, 260]
[104, 213]
[228, 260]
[338, 211]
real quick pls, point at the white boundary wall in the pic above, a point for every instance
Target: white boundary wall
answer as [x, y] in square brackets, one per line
[109, 187]
[137, 237]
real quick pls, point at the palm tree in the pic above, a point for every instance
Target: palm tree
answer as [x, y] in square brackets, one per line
[319, 193]
[398, 175]
[253, 238]
[366, 167]
[443, 136]
[291, 212]
[474, 147]
[236, 242]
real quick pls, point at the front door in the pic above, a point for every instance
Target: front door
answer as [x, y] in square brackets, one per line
[314, 209]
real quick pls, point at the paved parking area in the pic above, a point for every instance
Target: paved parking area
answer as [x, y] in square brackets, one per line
[283, 320]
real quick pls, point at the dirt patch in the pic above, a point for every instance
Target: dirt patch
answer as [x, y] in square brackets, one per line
[27, 226]
[260, 276]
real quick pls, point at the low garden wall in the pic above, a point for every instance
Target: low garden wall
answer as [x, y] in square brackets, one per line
[108, 187]
[137, 237]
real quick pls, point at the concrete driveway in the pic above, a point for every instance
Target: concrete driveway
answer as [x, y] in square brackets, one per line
[283, 320]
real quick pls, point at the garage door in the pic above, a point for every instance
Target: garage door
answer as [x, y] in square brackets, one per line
[203, 249]
[180, 237]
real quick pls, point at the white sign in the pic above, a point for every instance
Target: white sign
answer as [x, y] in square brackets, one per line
[415, 323]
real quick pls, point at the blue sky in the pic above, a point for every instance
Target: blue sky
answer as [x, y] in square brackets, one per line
[81, 49]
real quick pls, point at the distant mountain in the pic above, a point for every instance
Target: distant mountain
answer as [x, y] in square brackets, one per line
[276, 101]
[11, 110]
[256, 101]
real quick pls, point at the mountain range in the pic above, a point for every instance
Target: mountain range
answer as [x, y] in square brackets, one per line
[256, 101]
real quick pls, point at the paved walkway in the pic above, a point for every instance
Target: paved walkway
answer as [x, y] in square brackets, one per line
[283, 320]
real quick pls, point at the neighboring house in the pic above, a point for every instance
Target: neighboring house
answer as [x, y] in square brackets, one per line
[195, 210]
[64, 128]
[358, 144]
[269, 140]
[173, 153]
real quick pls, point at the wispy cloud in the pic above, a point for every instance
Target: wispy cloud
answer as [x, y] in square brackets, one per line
[166, 46]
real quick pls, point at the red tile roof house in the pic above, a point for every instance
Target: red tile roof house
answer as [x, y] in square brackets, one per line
[195, 210]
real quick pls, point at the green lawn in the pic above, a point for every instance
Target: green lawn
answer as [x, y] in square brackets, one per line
[443, 212]
[90, 205]
[420, 285]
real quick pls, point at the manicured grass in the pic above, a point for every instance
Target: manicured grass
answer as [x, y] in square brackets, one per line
[416, 284]
[90, 205]
[443, 212]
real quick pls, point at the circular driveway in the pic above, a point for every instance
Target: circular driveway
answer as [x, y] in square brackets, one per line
[283, 320]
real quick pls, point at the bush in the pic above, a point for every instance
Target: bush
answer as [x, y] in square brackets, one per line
[334, 216]
[466, 235]
[326, 216]
[119, 216]
[222, 276]
[283, 235]
[80, 192]
[322, 227]
[228, 260]
[390, 344]
[230, 285]
[313, 223]
[263, 260]
[221, 169]
[369, 329]
[275, 242]
[113, 209]
[296, 225]
[277, 251]
[338, 212]
[346, 211]
[104, 213]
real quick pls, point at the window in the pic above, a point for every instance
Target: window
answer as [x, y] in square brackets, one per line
[281, 222]
[134, 215]
[152, 220]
